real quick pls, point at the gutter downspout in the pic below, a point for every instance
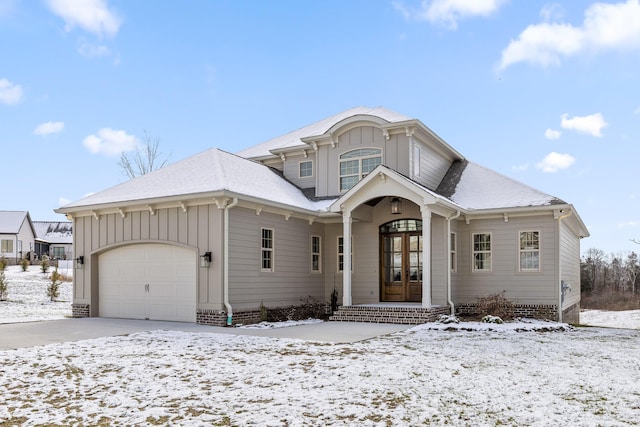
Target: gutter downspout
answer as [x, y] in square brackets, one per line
[449, 300]
[225, 274]
[559, 278]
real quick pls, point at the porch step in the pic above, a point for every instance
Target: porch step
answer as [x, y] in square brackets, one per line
[402, 315]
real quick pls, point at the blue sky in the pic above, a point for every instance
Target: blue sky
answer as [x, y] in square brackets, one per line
[547, 93]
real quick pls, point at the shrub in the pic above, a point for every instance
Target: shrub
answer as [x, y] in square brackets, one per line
[4, 262]
[310, 308]
[53, 290]
[492, 319]
[263, 312]
[496, 305]
[4, 285]
[24, 264]
[448, 318]
[44, 265]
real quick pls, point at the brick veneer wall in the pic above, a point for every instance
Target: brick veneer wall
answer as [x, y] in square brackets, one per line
[572, 314]
[80, 310]
[536, 311]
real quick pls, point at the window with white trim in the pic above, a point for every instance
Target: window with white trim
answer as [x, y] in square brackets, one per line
[356, 164]
[316, 255]
[529, 251]
[481, 251]
[341, 253]
[7, 246]
[267, 249]
[305, 169]
[453, 254]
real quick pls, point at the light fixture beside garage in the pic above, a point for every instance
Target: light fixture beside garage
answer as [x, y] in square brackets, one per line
[205, 260]
[79, 262]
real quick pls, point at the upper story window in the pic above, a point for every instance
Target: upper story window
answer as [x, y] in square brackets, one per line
[529, 251]
[306, 169]
[481, 251]
[356, 164]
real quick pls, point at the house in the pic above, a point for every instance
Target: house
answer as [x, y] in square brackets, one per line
[367, 204]
[54, 238]
[17, 235]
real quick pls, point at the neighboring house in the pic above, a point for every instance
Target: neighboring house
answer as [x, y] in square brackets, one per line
[54, 238]
[368, 203]
[17, 235]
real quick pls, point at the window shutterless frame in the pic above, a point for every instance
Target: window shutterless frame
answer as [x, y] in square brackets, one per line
[316, 254]
[481, 249]
[529, 251]
[305, 169]
[267, 249]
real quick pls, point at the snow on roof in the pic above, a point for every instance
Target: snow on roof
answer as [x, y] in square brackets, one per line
[293, 139]
[481, 188]
[209, 171]
[54, 231]
[11, 221]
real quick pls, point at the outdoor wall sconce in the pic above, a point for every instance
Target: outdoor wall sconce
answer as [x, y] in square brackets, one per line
[396, 206]
[205, 260]
[79, 262]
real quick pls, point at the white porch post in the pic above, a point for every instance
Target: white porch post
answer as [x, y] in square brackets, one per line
[426, 256]
[346, 257]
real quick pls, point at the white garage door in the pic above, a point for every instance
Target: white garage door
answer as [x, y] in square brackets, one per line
[148, 281]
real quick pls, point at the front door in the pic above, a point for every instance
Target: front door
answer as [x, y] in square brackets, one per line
[401, 260]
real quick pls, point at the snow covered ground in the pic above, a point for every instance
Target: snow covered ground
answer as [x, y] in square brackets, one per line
[27, 299]
[528, 373]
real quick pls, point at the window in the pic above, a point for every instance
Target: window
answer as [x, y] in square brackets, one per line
[481, 251]
[58, 252]
[356, 164]
[341, 253]
[315, 254]
[454, 257]
[267, 249]
[529, 251]
[306, 169]
[7, 246]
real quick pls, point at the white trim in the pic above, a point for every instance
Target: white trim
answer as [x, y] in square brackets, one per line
[360, 174]
[453, 252]
[338, 253]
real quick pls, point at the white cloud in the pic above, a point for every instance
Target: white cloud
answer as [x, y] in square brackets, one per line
[552, 12]
[91, 15]
[552, 134]
[628, 224]
[89, 50]
[520, 168]
[110, 142]
[605, 27]
[592, 124]
[637, 111]
[48, 128]
[448, 12]
[10, 93]
[553, 162]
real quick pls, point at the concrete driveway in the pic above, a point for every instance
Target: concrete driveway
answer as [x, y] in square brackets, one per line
[18, 335]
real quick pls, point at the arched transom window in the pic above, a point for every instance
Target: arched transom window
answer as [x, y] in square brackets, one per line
[356, 164]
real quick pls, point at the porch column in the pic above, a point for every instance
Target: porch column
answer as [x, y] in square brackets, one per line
[346, 258]
[426, 256]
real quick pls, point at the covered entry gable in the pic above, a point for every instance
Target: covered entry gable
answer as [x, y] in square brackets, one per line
[384, 182]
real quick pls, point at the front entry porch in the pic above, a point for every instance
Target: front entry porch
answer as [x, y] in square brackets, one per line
[399, 313]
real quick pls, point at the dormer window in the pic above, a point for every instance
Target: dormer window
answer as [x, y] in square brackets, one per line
[356, 164]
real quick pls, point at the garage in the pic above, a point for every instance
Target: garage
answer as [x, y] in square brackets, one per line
[148, 281]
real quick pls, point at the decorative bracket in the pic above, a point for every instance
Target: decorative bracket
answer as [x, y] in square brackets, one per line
[506, 217]
[183, 207]
[121, 212]
[259, 210]
[151, 210]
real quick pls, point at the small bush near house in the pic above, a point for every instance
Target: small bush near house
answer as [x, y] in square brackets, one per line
[263, 312]
[4, 262]
[53, 290]
[492, 319]
[44, 265]
[4, 286]
[24, 264]
[310, 308]
[446, 319]
[496, 305]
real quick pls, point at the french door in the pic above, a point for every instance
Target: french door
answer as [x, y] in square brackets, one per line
[401, 269]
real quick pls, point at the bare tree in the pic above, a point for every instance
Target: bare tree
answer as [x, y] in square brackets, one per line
[144, 159]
